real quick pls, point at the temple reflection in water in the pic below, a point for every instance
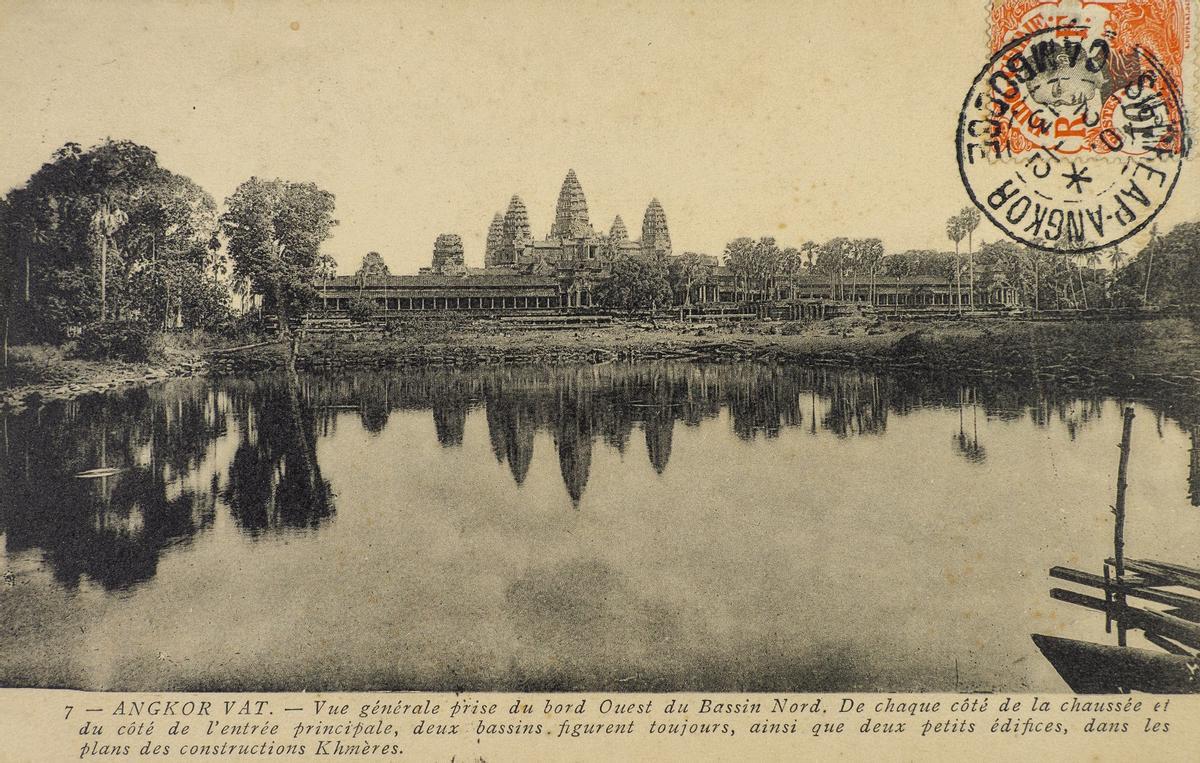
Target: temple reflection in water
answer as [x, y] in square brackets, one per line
[103, 485]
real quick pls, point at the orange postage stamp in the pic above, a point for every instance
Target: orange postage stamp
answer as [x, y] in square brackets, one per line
[1085, 73]
[1073, 134]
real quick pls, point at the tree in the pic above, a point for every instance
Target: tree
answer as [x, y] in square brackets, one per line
[326, 271]
[636, 283]
[739, 255]
[764, 264]
[105, 222]
[969, 220]
[1116, 257]
[1167, 269]
[1150, 262]
[832, 259]
[362, 310]
[1035, 258]
[7, 277]
[684, 271]
[791, 263]
[104, 232]
[1093, 261]
[176, 264]
[274, 230]
[955, 231]
[869, 257]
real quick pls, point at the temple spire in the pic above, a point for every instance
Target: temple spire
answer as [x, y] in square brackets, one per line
[571, 214]
[448, 254]
[617, 232]
[656, 239]
[495, 236]
[515, 234]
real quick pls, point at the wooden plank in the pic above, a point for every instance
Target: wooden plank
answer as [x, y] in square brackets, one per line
[1092, 580]
[1183, 631]
[1136, 587]
[1166, 644]
[1187, 576]
[1162, 573]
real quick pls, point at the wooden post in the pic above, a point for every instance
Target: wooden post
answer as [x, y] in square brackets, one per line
[1119, 508]
[1119, 522]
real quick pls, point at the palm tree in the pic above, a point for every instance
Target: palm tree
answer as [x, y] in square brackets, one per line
[955, 230]
[38, 237]
[969, 218]
[1033, 257]
[1076, 258]
[871, 252]
[1116, 258]
[1150, 264]
[1093, 260]
[791, 264]
[832, 259]
[737, 259]
[106, 221]
[854, 258]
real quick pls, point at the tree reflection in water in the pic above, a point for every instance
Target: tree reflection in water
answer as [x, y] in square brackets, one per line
[111, 528]
[274, 479]
[170, 475]
[163, 481]
[967, 444]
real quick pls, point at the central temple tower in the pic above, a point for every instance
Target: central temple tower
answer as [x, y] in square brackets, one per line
[656, 239]
[571, 213]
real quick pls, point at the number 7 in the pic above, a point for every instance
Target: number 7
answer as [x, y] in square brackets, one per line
[69, 709]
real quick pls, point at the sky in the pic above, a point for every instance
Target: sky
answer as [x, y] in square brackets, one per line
[798, 120]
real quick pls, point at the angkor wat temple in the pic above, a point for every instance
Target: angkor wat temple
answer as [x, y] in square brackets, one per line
[572, 239]
[519, 272]
[562, 271]
[573, 251]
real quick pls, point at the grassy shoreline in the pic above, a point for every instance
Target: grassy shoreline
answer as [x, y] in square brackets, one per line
[1159, 356]
[41, 373]
[1168, 347]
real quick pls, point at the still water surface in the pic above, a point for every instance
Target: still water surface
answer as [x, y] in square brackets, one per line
[645, 527]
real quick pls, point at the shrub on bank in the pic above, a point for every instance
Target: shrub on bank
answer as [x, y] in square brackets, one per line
[242, 329]
[120, 339]
[362, 310]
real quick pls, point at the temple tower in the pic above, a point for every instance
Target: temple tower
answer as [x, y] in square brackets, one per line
[515, 232]
[448, 254]
[656, 239]
[495, 238]
[617, 232]
[571, 214]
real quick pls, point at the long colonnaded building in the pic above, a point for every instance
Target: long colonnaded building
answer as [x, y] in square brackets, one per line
[562, 270]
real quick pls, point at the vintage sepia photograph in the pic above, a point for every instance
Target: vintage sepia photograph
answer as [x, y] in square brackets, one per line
[520, 346]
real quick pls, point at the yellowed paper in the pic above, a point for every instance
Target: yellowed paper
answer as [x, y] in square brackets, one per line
[739, 524]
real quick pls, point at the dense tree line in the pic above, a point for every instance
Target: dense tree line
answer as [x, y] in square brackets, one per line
[106, 236]
[1166, 271]
[107, 233]
[106, 239]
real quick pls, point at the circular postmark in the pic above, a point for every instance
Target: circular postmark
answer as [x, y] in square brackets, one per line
[1069, 142]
